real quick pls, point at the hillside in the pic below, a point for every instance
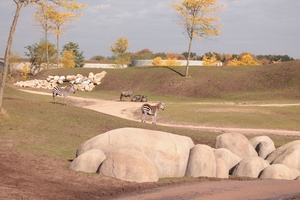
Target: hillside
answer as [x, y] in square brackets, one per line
[265, 82]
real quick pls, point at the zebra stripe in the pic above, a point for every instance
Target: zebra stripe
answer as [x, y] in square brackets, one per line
[147, 109]
[62, 91]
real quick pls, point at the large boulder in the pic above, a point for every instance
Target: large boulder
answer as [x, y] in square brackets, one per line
[202, 162]
[168, 152]
[250, 167]
[129, 165]
[296, 173]
[288, 154]
[263, 145]
[277, 171]
[236, 143]
[88, 161]
[222, 168]
[230, 158]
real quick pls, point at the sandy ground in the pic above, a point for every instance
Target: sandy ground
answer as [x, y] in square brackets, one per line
[208, 190]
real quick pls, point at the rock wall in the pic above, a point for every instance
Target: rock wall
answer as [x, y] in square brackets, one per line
[81, 83]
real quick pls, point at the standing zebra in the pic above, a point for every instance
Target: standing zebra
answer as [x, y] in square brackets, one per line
[62, 91]
[126, 94]
[151, 110]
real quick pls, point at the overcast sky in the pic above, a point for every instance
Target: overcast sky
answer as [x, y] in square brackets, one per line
[254, 26]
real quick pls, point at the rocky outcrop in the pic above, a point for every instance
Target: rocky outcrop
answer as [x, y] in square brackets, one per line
[202, 162]
[263, 145]
[89, 161]
[81, 83]
[236, 143]
[250, 167]
[168, 152]
[141, 155]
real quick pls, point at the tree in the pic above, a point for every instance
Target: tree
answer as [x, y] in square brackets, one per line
[38, 55]
[119, 50]
[244, 59]
[144, 54]
[68, 4]
[42, 18]
[68, 59]
[209, 61]
[78, 56]
[197, 19]
[157, 61]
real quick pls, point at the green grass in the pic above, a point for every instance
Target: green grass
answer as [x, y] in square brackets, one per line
[36, 125]
[225, 115]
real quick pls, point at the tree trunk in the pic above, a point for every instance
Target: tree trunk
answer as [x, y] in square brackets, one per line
[47, 46]
[57, 47]
[188, 58]
[7, 51]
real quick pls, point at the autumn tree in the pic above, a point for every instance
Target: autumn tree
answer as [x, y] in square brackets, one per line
[68, 4]
[41, 17]
[78, 55]
[38, 55]
[119, 50]
[157, 61]
[197, 19]
[68, 59]
[60, 20]
[209, 61]
[244, 59]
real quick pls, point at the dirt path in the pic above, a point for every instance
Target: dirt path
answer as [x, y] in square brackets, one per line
[125, 110]
[223, 190]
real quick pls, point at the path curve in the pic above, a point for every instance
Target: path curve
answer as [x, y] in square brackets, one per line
[124, 109]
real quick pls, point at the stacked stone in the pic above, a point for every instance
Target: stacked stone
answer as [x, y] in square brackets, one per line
[80, 82]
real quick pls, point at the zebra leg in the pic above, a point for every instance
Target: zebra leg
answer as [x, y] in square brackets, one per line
[154, 119]
[53, 96]
[143, 117]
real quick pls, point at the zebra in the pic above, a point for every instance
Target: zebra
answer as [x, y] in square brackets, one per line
[62, 91]
[151, 110]
[126, 94]
[144, 99]
[139, 98]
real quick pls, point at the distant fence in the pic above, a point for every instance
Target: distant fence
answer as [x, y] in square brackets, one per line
[136, 63]
[98, 65]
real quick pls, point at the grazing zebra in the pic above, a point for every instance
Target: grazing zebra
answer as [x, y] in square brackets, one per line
[136, 98]
[144, 99]
[151, 110]
[62, 91]
[139, 98]
[126, 94]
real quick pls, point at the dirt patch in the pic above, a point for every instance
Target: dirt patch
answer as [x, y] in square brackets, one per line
[25, 176]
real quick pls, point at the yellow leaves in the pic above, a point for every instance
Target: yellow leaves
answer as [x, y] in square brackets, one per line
[57, 14]
[197, 18]
[157, 61]
[119, 49]
[68, 59]
[245, 59]
[121, 46]
[209, 61]
[169, 62]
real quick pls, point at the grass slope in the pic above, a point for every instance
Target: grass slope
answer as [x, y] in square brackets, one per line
[36, 125]
[276, 81]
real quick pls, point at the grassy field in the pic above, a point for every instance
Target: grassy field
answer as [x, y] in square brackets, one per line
[221, 96]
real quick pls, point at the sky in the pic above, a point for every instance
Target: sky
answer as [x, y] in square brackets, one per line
[260, 27]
